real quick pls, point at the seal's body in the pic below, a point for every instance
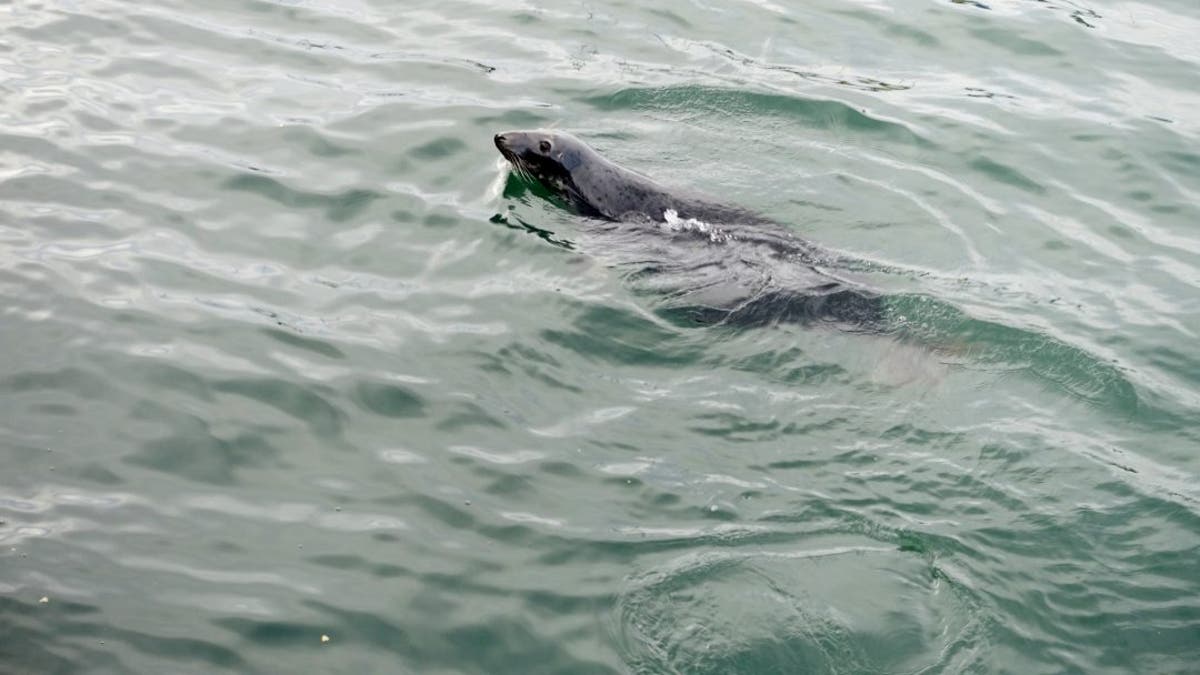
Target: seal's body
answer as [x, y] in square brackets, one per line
[714, 263]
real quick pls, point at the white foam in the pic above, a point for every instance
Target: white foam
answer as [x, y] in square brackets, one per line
[673, 222]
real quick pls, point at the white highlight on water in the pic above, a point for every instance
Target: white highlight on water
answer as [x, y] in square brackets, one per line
[496, 187]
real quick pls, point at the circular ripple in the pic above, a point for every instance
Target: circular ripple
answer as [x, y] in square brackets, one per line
[857, 609]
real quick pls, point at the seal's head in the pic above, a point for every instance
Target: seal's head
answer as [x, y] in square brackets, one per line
[550, 158]
[596, 187]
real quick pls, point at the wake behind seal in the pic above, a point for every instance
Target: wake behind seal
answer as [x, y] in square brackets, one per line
[712, 263]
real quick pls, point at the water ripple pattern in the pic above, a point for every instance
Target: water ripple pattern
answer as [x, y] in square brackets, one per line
[297, 379]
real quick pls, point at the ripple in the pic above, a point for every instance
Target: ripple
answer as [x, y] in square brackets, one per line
[790, 612]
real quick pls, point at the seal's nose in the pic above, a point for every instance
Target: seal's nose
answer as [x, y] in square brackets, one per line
[501, 141]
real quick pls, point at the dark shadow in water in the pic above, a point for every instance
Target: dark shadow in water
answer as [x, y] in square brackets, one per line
[513, 222]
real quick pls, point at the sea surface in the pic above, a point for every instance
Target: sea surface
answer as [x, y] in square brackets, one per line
[296, 378]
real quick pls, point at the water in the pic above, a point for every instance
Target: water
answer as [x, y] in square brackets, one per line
[287, 357]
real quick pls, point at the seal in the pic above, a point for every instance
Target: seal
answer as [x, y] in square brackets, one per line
[712, 263]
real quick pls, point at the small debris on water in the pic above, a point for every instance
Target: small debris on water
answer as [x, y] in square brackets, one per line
[324, 638]
[44, 600]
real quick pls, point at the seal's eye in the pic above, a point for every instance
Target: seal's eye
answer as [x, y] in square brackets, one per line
[544, 146]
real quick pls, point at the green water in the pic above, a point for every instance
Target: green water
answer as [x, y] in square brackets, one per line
[287, 355]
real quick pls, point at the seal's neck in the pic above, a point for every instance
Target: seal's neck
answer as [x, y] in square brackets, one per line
[614, 192]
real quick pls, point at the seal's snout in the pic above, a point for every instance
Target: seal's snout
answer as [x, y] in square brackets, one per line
[501, 141]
